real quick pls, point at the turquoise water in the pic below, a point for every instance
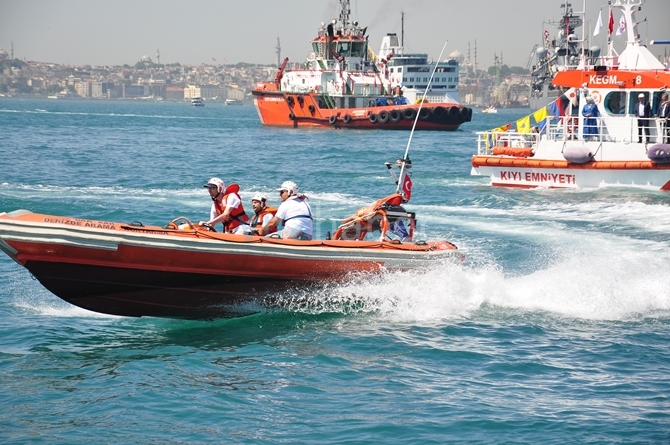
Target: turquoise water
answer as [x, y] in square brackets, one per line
[555, 329]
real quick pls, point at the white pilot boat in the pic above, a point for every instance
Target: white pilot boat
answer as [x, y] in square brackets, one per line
[569, 150]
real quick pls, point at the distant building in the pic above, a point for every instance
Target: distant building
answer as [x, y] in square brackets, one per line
[101, 90]
[174, 93]
[235, 94]
[213, 92]
[83, 89]
[135, 91]
[192, 91]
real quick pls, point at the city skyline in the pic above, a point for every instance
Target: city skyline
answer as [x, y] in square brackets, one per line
[80, 32]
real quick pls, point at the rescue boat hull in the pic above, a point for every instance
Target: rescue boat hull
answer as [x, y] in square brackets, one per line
[135, 271]
[532, 173]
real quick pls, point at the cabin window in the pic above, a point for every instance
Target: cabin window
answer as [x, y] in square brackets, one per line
[400, 69]
[344, 49]
[656, 103]
[615, 103]
[357, 49]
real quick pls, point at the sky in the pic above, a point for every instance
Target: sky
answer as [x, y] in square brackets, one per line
[97, 32]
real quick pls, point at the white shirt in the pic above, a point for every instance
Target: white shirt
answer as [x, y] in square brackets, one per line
[296, 214]
[640, 109]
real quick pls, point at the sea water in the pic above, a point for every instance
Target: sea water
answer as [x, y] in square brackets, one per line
[555, 329]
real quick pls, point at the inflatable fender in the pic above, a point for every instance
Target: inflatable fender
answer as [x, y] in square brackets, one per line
[578, 154]
[659, 153]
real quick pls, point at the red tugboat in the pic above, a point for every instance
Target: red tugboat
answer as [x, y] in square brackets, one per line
[343, 84]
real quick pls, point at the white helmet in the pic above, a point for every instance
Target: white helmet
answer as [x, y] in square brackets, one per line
[260, 198]
[289, 186]
[216, 182]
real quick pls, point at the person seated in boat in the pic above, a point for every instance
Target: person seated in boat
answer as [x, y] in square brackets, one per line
[398, 98]
[227, 208]
[262, 213]
[294, 213]
[591, 114]
[664, 117]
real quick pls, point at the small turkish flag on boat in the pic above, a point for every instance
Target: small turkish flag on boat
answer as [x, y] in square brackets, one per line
[407, 187]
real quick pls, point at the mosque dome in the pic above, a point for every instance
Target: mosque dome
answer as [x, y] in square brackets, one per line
[456, 55]
[146, 59]
[3, 54]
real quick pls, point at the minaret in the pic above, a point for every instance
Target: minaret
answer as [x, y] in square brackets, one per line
[475, 58]
[12, 50]
[278, 51]
[158, 57]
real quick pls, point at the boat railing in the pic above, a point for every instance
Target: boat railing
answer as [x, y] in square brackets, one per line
[511, 143]
[621, 129]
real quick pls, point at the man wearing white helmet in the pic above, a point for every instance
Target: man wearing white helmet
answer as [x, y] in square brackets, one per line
[643, 113]
[294, 213]
[226, 208]
[262, 213]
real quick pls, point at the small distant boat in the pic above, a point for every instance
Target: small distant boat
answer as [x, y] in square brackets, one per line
[490, 109]
[197, 102]
[233, 102]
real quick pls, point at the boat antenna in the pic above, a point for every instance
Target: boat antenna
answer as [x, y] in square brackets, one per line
[416, 118]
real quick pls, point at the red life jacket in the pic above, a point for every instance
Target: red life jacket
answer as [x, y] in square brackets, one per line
[257, 220]
[237, 217]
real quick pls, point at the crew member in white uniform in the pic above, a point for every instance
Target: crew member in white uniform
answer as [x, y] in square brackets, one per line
[294, 213]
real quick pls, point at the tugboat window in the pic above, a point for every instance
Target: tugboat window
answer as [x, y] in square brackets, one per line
[615, 103]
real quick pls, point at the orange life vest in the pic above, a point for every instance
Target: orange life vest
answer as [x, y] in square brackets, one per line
[237, 217]
[257, 220]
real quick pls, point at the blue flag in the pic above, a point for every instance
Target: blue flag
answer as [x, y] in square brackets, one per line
[398, 229]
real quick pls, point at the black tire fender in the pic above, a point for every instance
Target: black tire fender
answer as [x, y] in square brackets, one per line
[383, 117]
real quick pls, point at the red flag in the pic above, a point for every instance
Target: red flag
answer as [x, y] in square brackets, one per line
[407, 187]
[610, 26]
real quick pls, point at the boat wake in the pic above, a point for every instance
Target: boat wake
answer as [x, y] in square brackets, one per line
[579, 285]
